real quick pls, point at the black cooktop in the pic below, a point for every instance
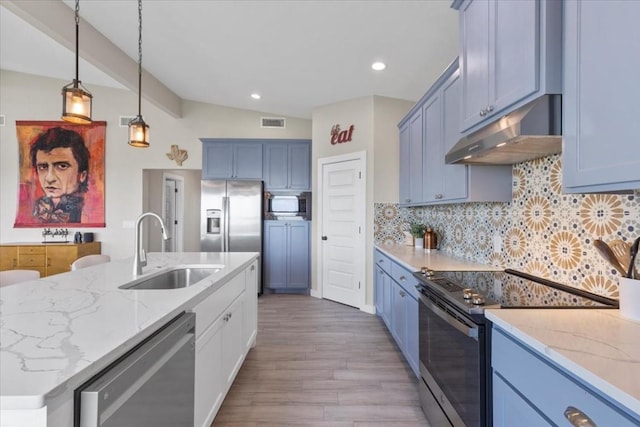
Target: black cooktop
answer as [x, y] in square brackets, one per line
[509, 289]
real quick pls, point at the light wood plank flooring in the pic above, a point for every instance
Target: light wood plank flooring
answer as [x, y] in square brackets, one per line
[319, 363]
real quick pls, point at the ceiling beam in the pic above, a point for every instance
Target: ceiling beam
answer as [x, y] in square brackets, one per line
[56, 19]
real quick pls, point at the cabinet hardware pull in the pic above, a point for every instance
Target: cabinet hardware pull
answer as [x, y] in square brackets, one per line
[408, 200]
[439, 196]
[253, 267]
[490, 108]
[402, 294]
[483, 113]
[324, 237]
[379, 262]
[402, 278]
[577, 418]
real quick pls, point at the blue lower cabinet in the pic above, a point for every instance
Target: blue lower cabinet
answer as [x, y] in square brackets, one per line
[398, 307]
[286, 255]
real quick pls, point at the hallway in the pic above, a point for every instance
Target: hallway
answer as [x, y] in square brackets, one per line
[319, 363]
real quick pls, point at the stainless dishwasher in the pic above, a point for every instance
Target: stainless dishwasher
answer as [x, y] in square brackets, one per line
[152, 385]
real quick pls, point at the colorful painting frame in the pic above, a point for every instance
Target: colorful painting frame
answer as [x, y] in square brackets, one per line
[35, 209]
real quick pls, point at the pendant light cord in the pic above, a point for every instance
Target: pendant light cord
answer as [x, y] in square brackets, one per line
[139, 57]
[77, 35]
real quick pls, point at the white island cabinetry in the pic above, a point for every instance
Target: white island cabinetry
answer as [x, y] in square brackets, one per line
[101, 322]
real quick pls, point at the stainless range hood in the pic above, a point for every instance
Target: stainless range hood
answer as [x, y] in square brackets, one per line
[533, 130]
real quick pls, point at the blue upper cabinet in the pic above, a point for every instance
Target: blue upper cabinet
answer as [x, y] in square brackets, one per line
[510, 53]
[436, 119]
[231, 159]
[410, 191]
[287, 165]
[601, 127]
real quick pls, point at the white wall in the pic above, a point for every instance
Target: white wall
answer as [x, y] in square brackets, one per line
[375, 122]
[27, 97]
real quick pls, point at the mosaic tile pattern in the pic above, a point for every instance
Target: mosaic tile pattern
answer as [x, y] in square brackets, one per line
[541, 231]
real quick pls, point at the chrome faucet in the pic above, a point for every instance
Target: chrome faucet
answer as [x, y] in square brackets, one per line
[140, 257]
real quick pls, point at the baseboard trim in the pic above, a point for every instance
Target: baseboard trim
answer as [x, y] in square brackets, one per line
[315, 293]
[371, 309]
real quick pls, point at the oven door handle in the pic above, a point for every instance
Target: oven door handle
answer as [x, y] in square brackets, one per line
[465, 329]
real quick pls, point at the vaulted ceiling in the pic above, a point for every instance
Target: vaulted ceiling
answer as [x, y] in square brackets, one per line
[297, 54]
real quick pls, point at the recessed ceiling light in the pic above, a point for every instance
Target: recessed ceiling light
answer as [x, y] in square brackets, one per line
[255, 96]
[378, 66]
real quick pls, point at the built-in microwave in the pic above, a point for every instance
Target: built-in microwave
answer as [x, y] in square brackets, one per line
[287, 205]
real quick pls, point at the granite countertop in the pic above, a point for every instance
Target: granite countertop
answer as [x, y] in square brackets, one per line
[57, 332]
[598, 346]
[414, 259]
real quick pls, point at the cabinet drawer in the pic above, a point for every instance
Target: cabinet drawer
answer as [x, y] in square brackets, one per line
[31, 250]
[549, 389]
[382, 261]
[405, 279]
[30, 260]
[215, 304]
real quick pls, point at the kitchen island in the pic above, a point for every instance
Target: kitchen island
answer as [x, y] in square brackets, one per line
[59, 331]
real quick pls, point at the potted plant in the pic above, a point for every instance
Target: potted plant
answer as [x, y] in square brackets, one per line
[417, 230]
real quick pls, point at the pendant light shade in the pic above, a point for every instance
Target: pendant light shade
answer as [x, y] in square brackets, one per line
[76, 100]
[138, 129]
[138, 133]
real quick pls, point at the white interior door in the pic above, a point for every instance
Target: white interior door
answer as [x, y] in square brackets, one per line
[172, 212]
[342, 229]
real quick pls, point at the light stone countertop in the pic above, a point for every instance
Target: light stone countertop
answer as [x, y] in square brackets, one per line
[414, 259]
[58, 331]
[598, 346]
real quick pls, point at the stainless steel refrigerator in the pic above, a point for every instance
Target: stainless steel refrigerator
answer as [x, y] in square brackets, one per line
[231, 217]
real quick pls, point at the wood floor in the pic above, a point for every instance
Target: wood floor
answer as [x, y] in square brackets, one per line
[319, 363]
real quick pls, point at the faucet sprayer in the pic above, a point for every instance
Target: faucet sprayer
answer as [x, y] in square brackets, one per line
[140, 256]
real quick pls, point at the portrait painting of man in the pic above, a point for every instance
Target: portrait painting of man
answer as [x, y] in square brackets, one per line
[61, 174]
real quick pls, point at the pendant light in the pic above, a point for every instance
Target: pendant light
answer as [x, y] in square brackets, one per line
[76, 100]
[138, 129]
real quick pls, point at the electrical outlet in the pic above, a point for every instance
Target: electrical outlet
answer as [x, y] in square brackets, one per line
[497, 243]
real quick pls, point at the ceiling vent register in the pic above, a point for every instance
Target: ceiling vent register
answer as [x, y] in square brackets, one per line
[273, 122]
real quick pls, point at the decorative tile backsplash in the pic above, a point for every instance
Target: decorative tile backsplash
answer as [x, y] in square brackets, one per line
[541, 231]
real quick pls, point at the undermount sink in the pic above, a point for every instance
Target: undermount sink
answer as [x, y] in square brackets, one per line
[175, 278]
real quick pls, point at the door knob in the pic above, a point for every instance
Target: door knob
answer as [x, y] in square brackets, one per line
[324, 237]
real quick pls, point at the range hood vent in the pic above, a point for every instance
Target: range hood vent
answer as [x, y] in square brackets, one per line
[533, 130]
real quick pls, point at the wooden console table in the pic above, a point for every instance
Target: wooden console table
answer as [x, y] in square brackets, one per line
[47, 258]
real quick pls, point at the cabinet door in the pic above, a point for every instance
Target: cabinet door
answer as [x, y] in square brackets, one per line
[378, 289]
[514, 52]
[275, 166]
[455, 185]
[398, 315]
[298, 254]
[404, 190]
[600, 100]
[217, 160]
[233, 345]
[210, 385]
[412, 345]
[386, 299]
[251, 306]
[415, 159]
[247, 159]
[510, 409]
[433, 157]
[59, 258]
[299, 166]
[8, 257]
[275, 254]
[474, 60]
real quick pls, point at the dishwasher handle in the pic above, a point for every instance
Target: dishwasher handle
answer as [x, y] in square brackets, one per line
[111, 389]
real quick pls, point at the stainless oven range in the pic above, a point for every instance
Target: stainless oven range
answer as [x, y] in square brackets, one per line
[455, 340]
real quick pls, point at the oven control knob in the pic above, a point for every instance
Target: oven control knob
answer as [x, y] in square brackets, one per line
[477, 299]
[467, 293]
[427, 272]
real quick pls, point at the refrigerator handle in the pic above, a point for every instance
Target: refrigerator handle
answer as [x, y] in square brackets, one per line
[225, 224]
